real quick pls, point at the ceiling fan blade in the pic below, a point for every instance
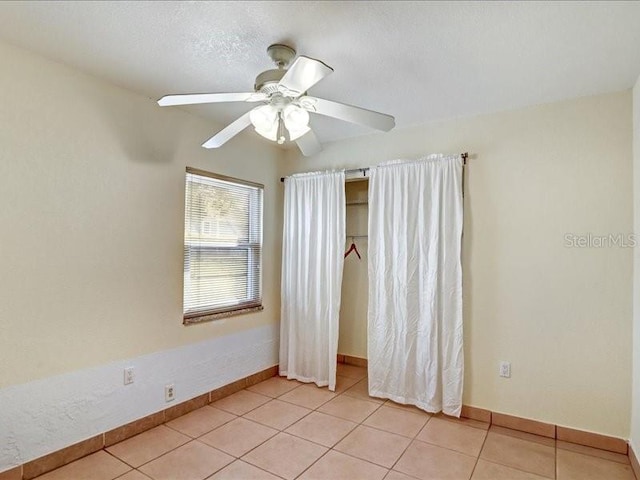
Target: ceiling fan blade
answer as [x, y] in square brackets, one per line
[228, 132]
[349, 113]
[303, 74]
[196, 98]
[309, 144]
[258, 97]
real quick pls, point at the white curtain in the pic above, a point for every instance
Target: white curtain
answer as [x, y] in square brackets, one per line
[415, 283]
[312, 259]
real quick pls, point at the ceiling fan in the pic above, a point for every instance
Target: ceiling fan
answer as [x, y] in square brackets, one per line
[283, 113]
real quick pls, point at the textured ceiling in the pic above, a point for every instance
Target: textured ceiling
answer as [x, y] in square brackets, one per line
[419, 61]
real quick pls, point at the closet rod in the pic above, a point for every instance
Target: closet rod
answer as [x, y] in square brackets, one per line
[364, 171]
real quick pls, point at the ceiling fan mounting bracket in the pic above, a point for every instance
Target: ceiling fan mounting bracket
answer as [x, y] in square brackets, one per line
[281, 54]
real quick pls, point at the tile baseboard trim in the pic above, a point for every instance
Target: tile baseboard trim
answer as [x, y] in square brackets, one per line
[475, 413]
[523, 425]
[14, 473]
[54, 460]
[130, 429]
[71, 453]
[350, 360]
[536, 427]
[635, 466]
[187, 406]
[243, 383]
[590, 439]
[527, 425]
[59, 458]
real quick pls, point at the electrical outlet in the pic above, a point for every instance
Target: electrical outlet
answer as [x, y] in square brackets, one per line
[128, 375]
[169, 393]
[505, 369]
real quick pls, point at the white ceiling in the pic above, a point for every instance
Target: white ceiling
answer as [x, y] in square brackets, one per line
[419, 61]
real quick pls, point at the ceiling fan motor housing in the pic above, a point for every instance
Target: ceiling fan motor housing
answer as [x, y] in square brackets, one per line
[281, 55]
[267, 82]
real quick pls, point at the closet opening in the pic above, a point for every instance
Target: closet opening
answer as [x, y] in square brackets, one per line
[352, 340]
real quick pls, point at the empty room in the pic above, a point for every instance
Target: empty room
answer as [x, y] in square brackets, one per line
[320, 240]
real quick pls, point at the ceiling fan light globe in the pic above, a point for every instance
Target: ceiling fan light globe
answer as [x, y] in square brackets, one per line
[264, 117]
[296, 133]
[270, 133]
[295, 117]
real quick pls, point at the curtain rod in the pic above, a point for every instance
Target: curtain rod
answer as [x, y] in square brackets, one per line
[364, 170]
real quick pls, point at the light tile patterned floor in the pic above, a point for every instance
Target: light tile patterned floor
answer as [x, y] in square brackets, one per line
[284, 429]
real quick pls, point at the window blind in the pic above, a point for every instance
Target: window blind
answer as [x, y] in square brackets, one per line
[222, 245]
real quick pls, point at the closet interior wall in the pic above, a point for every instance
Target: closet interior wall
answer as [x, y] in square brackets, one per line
[355, 280]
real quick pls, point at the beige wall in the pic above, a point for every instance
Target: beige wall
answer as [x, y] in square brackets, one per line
[92, 185]
[561, 315]
[635, 399]
[91, 225]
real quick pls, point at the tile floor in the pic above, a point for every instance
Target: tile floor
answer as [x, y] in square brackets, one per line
[285, 429]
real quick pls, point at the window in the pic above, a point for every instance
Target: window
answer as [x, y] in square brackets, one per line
[222, 246]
